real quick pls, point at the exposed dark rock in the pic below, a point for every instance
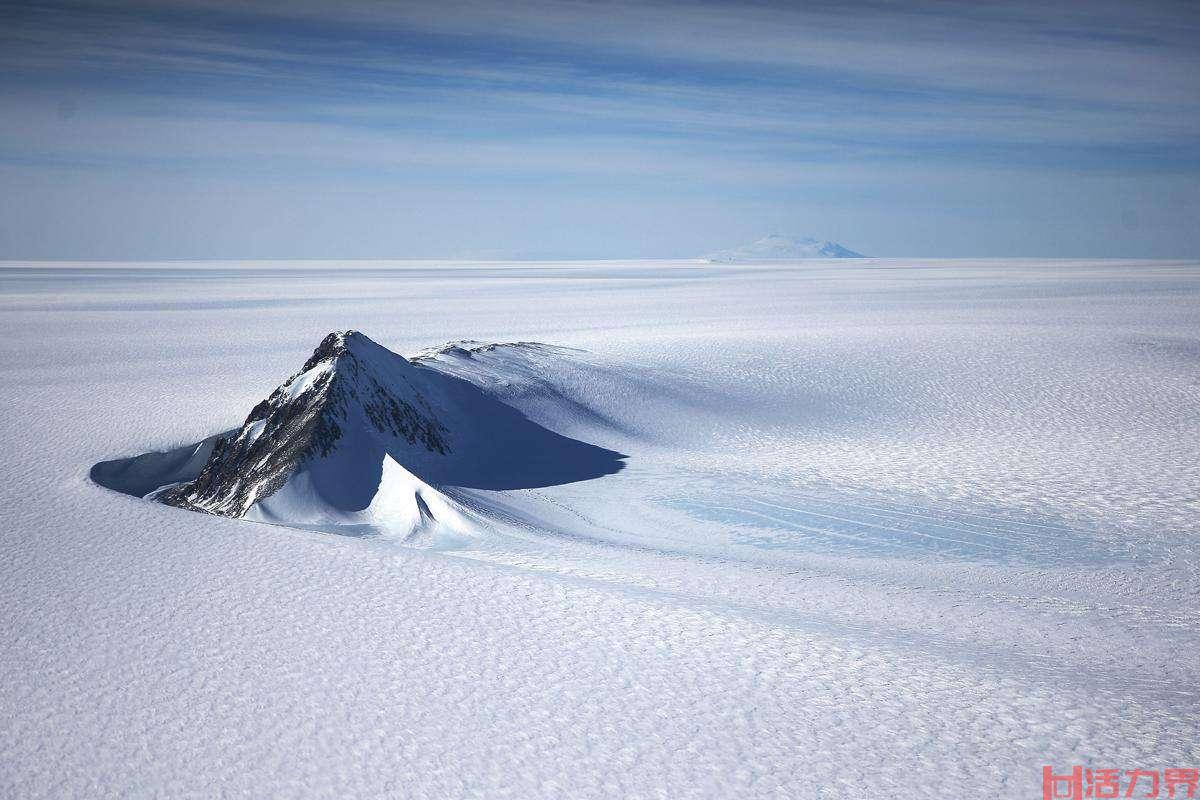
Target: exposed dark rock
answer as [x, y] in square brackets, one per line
[348, 376]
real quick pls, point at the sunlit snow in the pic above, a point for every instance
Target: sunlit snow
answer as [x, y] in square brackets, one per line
[881, 529]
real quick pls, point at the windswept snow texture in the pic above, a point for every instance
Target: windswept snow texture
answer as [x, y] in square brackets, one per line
[883, 529]
[787, 248]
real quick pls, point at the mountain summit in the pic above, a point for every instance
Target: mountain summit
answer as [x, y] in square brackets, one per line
[778, 248]
[364, 439]
[351, 402]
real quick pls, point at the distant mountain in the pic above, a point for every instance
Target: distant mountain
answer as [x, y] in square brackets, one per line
[778, 248]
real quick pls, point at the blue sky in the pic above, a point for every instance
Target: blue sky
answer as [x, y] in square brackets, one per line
[215, 129]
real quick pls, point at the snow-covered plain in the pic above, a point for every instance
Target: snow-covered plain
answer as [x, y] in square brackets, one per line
[884, 529]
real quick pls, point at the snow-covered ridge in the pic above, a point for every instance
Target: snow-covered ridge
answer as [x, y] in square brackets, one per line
[776, 247]
[361, 436]
[349, 385]
[469, 348]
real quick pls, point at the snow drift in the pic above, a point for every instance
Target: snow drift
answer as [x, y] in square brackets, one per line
[362, 439]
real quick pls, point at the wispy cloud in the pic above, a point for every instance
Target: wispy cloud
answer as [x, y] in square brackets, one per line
[723, 96]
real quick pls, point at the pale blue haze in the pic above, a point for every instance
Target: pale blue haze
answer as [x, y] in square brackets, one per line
[212, 129]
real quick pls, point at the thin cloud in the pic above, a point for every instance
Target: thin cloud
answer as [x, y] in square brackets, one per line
[736, 99]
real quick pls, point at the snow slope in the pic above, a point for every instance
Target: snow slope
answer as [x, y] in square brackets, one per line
[776, 247]
[915, 529]
[334, 447]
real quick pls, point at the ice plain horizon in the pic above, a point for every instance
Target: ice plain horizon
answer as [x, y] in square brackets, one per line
[886, 526]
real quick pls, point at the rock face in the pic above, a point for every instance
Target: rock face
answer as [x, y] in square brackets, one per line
[364, 441]
[352, 398]
[777, 248]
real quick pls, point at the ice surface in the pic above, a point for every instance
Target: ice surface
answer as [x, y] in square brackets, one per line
[884, 529]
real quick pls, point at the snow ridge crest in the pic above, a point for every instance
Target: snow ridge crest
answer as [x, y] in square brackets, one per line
[349, 386]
